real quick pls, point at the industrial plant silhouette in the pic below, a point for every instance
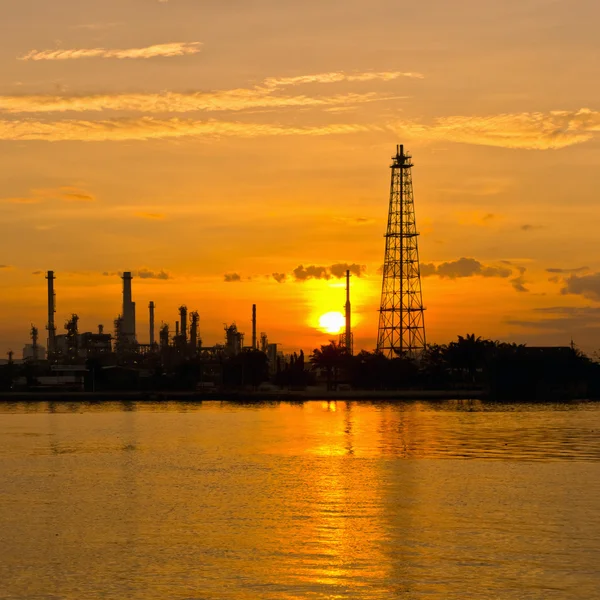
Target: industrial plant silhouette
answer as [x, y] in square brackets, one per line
[401, 324]
[179, 361]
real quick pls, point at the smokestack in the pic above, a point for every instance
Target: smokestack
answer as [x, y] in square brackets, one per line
[51, 327]
[194, 330]
[254, 327]
[100, 329]
[34, 341]
[128, 332]
[176, 329]
[183, 318]
[164, 337]
[151, 307]
[348, 315]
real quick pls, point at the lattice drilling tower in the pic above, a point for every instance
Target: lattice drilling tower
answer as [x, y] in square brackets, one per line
[401, 315]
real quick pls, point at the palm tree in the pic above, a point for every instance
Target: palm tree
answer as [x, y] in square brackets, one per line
[469, 353]
[329, 358]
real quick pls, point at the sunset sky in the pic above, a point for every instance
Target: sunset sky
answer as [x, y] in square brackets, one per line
[219, 149]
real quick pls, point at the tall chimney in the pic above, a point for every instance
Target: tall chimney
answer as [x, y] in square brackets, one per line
[254, 327]
[100, 329]
[183, 319]
[51, 327]
[128, 333]
[195, 317]
[151, 307]
[348, 315]
[34, 341]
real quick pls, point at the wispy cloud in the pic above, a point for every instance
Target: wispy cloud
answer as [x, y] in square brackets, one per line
[174, 102]
[148, 274]
[336, 271]
[264, 95]
[67, 193]
[528, 131]
[338, 77]
[147, 128]
[150, 216]
[162, 50]
[96, 26]
[232, 277]
[464, 267]
[587, 286]
[567, 271]
[143, 273]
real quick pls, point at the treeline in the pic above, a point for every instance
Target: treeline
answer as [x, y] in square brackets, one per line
[501, 370]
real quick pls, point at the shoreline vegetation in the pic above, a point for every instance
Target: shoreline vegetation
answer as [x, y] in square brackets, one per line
[470, 368]
[245, 396]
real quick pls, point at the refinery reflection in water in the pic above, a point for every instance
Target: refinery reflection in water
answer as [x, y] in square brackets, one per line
[317, 500]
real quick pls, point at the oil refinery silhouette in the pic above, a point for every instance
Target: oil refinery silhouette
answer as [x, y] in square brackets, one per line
[179, 361]
[401, 324]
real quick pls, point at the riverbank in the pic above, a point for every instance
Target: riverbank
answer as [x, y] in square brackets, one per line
[244, 396]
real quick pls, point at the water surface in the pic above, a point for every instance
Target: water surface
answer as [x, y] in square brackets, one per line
[318, 500]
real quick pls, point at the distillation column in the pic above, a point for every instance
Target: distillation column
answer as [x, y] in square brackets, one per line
[128, 332]
[254, 347]
[348, 335]
[151, 308]
[51, 327]
[183, 311]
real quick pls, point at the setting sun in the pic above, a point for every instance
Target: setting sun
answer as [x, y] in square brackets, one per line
[332, 322]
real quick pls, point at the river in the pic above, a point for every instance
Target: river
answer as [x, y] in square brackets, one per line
[447, 500]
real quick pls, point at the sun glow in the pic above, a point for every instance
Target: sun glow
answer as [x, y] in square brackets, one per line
[332, 322]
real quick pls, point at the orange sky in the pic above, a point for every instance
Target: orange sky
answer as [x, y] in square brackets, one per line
[192, 139]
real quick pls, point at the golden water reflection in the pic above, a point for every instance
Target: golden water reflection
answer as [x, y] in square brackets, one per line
[318, 500]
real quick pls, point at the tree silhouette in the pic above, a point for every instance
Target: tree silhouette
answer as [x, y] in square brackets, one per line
[330, 358]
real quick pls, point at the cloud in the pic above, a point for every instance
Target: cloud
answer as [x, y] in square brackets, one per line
[5, 266]
[175, 102]
[143, 273]
[338, 77]
[528, 130]
[312, 272]
[463, 267]
[518, 284]
[264, 95]
[150, 216]
[427, 269]
[529, 227]
[163, 50]
[354, 221]
[96, 26]
[232, 277]
[279, 277]
[587, 286]
[562, 318]
[339, 270]
[336, 271]
[567, 271]
[66, 193]
[73, 194]
[147, 128]
[37, 272]
[147, 274]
